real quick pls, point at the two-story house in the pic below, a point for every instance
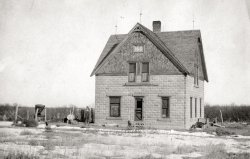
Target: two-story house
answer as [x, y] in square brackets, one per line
[151, 77]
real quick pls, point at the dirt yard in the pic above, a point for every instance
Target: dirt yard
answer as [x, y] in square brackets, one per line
[78, 143]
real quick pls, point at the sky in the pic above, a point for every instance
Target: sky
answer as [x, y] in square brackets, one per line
[48, 48]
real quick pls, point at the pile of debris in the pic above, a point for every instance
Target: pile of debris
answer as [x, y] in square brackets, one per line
[206, 122]
[86, 115]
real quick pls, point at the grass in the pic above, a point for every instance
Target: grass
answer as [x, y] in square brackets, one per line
[138, 144]
[26, 132]
[20, 155]
[34, 142]
[149, 156]
[224, 132]
[4, 134]
[183, 149]
[229, 129]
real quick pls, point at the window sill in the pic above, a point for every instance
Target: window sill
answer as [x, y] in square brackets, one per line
[139, 84]
[113, 118]
[164, 119]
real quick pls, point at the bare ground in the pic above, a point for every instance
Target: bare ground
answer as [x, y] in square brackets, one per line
[68, 142]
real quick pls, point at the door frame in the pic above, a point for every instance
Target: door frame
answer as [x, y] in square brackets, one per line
[136, 99]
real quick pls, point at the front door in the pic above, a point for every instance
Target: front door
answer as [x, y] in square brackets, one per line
[138, 108]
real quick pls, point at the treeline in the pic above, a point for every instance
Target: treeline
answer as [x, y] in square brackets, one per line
[7, 111]
[230, 113]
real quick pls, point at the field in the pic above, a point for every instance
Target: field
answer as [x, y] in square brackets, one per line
[96, 142]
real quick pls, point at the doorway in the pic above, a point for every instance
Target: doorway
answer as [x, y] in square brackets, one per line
[138, 108]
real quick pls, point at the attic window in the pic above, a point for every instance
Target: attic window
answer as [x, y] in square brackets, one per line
[138, 48]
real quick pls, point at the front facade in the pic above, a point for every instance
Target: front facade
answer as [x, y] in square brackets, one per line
[152, 78]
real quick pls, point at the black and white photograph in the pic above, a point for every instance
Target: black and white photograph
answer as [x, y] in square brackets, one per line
[124, 79]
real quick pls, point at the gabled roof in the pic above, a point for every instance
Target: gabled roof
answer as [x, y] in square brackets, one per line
[178, 46]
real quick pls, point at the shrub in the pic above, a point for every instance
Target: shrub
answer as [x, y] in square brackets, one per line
[25, 132]
[238, 155]
[33, 142]
[236, 125]
[223, 132]
[230, 112]
[20, 155]
[30, 123]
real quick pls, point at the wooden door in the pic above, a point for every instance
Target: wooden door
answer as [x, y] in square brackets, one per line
[138, 108]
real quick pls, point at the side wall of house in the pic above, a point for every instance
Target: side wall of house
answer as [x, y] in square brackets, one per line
[172, 86]
[196, 92]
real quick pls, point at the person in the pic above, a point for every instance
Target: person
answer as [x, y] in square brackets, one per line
[87, 115]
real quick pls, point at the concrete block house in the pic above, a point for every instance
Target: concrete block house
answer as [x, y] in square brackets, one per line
[152, 78]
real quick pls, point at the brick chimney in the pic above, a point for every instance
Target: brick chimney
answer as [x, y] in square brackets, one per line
[156, 26]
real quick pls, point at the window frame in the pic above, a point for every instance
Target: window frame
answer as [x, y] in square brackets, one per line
[145, 72]
[196, 75]
[119, 106]
[135, 73]
[168, 107]
[138, 45]
[200, 106]
[191, 107]
[195, 108]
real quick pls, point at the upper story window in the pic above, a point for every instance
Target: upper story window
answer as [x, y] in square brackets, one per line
[138, 48]
[115, 106]
[196, 75]
[132, 72]
[145, 72]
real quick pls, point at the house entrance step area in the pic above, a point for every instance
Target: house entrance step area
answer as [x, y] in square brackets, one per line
[139, 125]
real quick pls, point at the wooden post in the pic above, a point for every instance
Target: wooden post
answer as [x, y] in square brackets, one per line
[221, 117]
[216, 120]
[45, 114]
[36, 114]
[16, 113]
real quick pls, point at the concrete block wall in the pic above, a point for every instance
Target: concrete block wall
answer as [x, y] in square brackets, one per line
[161, 85]
[194, 92]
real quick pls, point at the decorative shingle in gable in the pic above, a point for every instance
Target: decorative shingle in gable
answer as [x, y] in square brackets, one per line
[177, 46]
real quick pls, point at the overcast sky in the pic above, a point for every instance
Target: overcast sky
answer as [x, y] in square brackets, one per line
[48, 48]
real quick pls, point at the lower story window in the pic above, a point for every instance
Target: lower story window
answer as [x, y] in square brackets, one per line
[191, 107]
[165, 107]
[115, 105]
[195, 108]
[200, 106]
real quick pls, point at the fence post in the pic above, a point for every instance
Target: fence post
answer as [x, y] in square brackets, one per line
[221, 117]
[45, 114]
[16, 113]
